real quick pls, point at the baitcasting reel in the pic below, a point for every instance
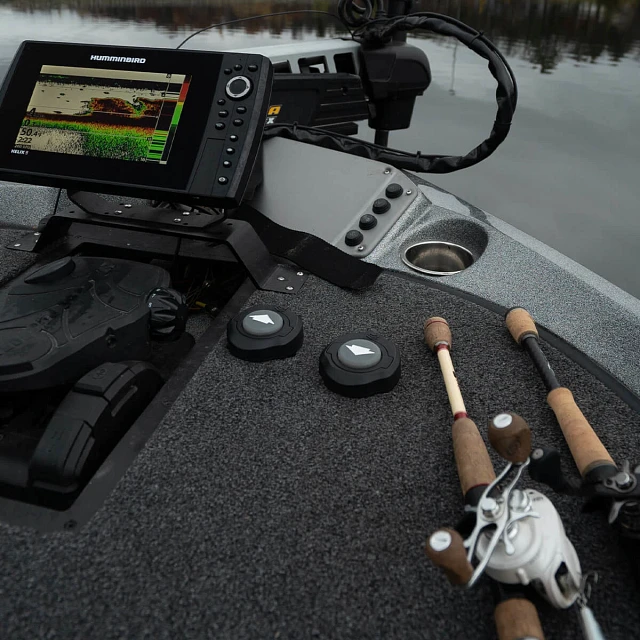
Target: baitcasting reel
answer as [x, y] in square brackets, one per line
[518, 537]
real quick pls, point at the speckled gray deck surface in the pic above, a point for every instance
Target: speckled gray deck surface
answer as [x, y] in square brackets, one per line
[265, 506]
[514, 269]
[12, 263]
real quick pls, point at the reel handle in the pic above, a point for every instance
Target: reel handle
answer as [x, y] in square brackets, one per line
[517, 619]
[510, 436]
[472, 458]
[587, 450]
[445, 548]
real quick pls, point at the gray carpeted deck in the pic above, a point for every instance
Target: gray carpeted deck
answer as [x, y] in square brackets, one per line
[265, 506]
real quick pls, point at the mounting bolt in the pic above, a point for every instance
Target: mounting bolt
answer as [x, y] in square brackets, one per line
[409, 192]
[387, 171]
[490, 507]
[537, 454]
[289, 288]
[177, 219]
[128, 206]
[623, 480]
[361, 247]
[186, 213]
[281, 278]
[300, 273]
[118, 211]
[17, 244]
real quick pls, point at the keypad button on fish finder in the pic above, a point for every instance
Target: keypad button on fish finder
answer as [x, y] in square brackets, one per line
[264, 333]
[239, 87]
[359, 365]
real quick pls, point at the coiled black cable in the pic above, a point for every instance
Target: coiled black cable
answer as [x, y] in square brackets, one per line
[378, 32]
[355, 14]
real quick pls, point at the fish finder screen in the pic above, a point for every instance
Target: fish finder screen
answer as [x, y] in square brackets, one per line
[104, 113]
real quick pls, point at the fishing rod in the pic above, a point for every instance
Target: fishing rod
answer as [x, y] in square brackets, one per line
[518, 537]
[603, 482]
[515, 617]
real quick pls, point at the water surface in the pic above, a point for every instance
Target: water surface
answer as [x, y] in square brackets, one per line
[569, 174]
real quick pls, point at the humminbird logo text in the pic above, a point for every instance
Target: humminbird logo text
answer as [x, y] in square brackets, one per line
[118, 59]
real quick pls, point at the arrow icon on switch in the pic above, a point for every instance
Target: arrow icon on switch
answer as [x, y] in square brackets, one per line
[360, 351]
[263, 319]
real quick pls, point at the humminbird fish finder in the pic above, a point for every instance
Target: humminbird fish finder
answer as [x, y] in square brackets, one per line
[182, 126]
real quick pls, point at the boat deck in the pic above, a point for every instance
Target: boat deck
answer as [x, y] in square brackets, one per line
[266, 506]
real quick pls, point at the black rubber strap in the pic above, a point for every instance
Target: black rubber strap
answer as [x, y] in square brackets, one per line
[311, 253]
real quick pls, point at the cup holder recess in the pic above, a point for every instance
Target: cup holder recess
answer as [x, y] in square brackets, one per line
[446, 247]
[437, 258]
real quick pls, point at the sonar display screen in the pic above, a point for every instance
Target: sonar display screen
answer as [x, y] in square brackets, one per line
[104, 113]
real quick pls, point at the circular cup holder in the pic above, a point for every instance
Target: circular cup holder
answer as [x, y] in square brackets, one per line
[438, 258]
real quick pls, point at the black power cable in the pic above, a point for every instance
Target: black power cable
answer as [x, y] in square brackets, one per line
[372, 32]
[378, 32]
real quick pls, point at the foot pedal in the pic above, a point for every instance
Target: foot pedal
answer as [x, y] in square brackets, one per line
[63, 319]
[91, 419]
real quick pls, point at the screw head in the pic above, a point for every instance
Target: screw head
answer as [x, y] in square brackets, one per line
[300, 273]
[289, 288]
[440, 540]
[489, 507]
[281, 279]
[409, 192]
[387, 172]
[502, 421]
[537, 454]
[17, 244]
[177, 219]
[37, 233]
[128, 206]
[361, 247]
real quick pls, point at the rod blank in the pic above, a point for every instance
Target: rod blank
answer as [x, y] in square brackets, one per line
[586, 448]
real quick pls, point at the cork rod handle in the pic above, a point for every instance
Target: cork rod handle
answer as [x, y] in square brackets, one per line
[587, 450]
[472, 457]
[517, 619]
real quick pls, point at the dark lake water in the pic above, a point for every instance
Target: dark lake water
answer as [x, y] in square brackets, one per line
[569, 174]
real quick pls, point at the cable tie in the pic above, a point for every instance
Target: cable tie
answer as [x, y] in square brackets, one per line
[479, 35]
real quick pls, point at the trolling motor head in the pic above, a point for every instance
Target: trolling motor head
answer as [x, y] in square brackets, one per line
[518, 537]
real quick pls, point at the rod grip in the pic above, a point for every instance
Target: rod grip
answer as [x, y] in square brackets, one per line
[510, 436]
[437, 331]
[520, 324]
[472, 457]
[445, 549]
[516, 619]
[587, 450]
